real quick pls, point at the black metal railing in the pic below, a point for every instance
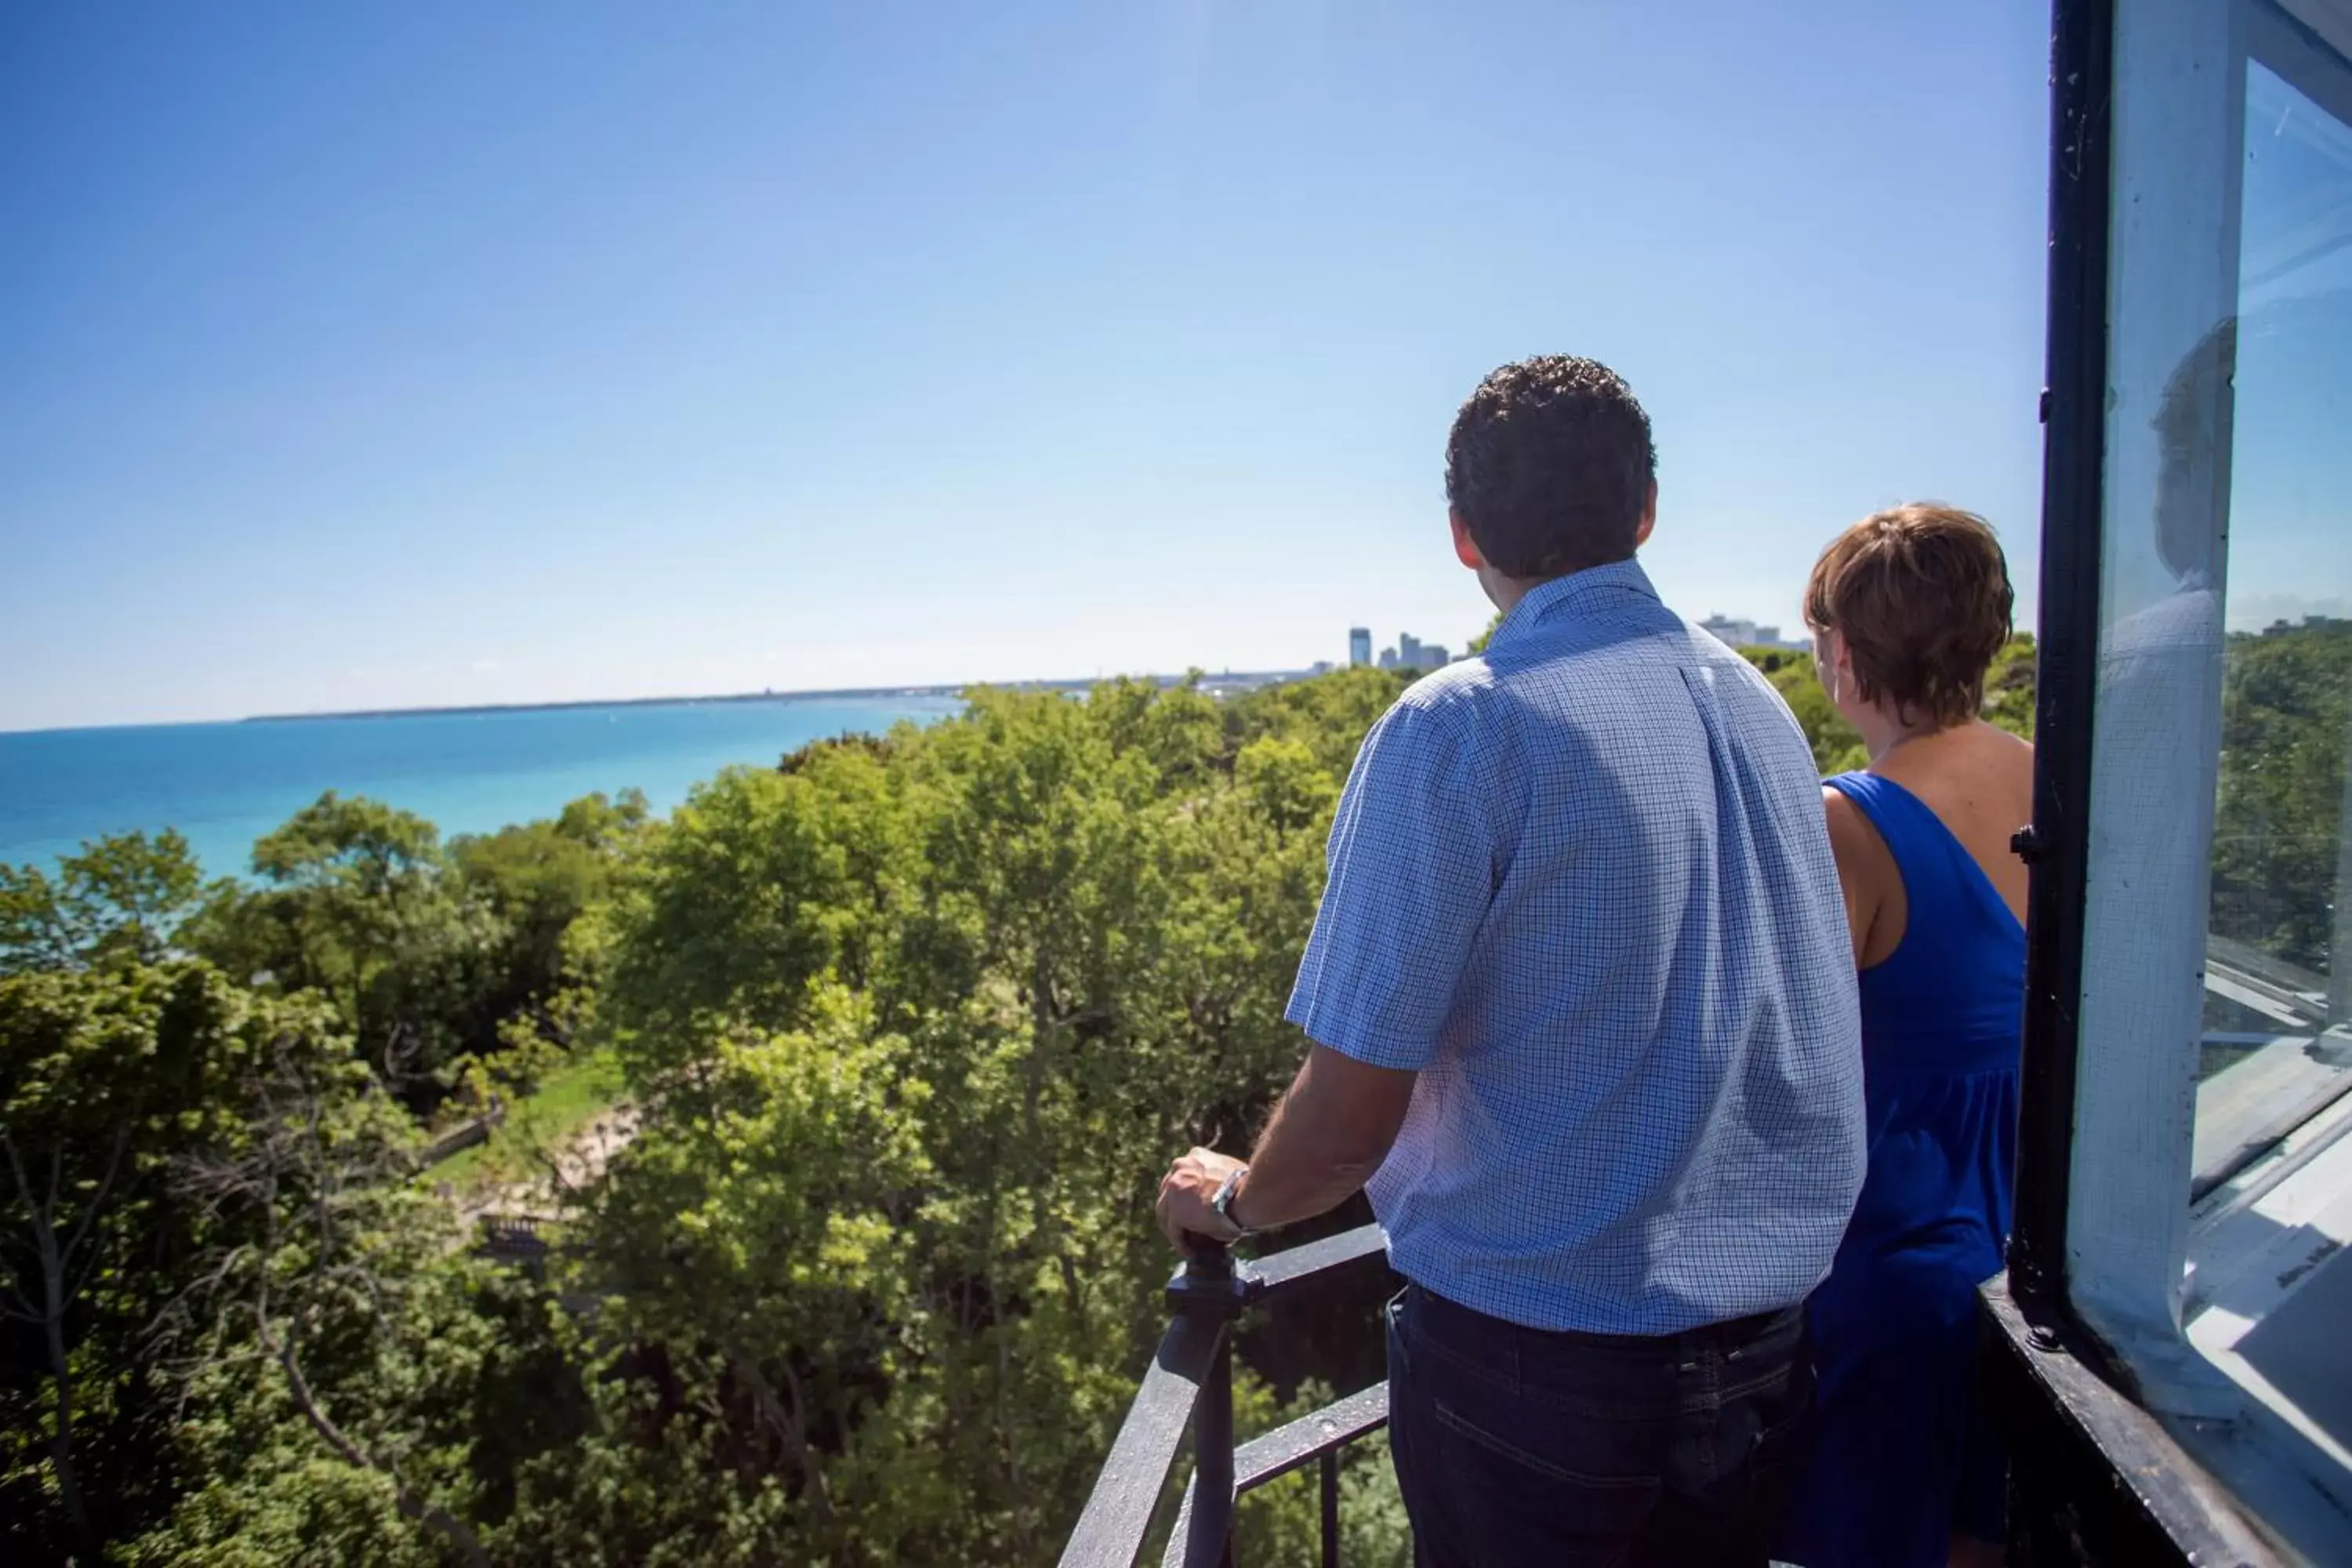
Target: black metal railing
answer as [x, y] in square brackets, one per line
[1189, 1383]
[513, 1238]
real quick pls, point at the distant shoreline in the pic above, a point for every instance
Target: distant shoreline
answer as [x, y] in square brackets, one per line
[1228, 679]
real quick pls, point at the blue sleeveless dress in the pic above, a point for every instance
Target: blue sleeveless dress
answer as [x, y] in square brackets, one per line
[1902, 1456]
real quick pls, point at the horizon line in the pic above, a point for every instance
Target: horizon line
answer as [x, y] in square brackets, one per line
[942, 688]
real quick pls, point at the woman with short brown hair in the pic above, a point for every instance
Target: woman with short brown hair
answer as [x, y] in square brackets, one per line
[1908, 608]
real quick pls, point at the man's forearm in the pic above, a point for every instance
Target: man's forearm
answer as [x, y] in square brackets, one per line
[1326, 1137]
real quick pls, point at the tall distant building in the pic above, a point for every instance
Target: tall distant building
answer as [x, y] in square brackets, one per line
[1411, 653]
[1739, 633]
[1360, 645]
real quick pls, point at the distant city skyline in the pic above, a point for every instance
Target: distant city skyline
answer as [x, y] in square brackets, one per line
[1406, 652]
[1740, 631]
[1409, 652]
[430, 355]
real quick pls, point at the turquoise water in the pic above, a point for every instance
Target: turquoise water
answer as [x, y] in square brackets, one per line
[225, 785]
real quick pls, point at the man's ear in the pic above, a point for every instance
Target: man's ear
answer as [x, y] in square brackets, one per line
[1465, 549]
[1649, 517]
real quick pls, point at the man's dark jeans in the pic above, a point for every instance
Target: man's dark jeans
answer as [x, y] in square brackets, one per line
[1569, 1450]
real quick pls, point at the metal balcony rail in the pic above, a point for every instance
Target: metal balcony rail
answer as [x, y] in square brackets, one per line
[515, 1238]
[1190, 1382]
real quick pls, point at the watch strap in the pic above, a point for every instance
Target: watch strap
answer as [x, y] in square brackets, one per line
[1223, 1203]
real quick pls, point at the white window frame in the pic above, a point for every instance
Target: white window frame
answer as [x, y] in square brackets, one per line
[2172, 296]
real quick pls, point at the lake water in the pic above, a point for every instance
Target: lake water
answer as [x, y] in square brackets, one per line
[225, 785]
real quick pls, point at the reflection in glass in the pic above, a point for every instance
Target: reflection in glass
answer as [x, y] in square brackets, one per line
[2278, 1011]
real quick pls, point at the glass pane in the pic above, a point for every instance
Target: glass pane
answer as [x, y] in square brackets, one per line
[2278, 1007]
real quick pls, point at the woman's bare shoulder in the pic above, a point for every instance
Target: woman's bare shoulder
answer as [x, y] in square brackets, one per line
[1968, 760]
[1853, 839]
[2009, 758]
[2005, 741]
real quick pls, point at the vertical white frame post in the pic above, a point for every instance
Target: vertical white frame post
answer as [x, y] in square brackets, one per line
[2155, 727]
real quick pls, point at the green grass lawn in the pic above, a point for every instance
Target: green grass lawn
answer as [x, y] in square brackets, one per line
[568, 1098]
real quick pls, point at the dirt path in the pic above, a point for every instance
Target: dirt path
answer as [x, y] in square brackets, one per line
[580, 1159]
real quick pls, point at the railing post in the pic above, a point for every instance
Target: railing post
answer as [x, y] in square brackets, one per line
[1211, 1537]
[1329, 1469]
[1205, 1286]
[1188, 1388]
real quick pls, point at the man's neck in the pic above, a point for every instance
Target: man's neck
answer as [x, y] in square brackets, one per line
[1504, 593]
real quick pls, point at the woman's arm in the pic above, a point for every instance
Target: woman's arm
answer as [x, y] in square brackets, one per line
[1859, 853]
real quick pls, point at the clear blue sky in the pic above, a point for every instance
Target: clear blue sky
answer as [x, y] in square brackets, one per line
[365, 356]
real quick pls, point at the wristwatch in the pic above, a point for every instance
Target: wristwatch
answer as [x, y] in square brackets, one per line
[1223, 1204]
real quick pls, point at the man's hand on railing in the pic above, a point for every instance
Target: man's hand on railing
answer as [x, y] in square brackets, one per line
[1326, 1138]
[1186, 1194]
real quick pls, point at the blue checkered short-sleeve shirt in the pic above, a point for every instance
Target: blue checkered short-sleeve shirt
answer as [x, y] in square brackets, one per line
[1583, 886]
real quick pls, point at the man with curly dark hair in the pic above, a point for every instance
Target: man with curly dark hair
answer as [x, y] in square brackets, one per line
[1581, 1016]
[1550, 471]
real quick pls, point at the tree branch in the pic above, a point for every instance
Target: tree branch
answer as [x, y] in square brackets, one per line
[52, 1319]
[97, 1198]
[412, 1504]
